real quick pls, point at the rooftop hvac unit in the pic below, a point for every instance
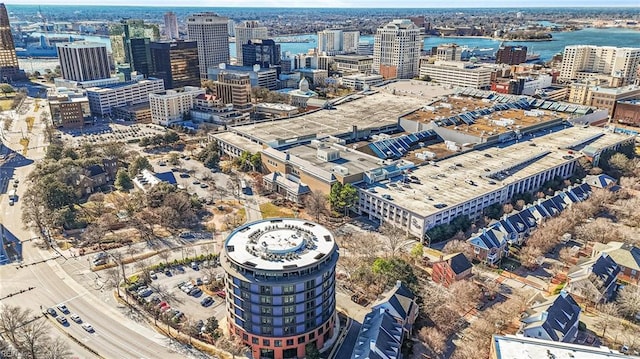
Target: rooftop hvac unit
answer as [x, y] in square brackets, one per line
[341, 170]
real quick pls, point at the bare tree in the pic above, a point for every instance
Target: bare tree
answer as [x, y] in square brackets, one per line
[599, 230]
[434, 339]
[165, 255]
[458, 246]
[529, 256]
[113, 279]
[608, 311]
[33, 339]
[56, 349]
[393, 238]
[629, 300]
[12, 318]
[465, 295]
[317, 204]
[232, 345]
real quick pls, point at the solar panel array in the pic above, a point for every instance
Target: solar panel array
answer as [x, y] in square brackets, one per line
[396, 147]
[534, 103]
[470, 117]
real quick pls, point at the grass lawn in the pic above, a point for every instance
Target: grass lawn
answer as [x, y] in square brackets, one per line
[270, 210]
[6, 105]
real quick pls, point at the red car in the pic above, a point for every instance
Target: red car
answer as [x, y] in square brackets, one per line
[221, 294]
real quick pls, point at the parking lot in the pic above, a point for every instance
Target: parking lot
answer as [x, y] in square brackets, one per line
[110, 132]
[166, 289]
[198, 179]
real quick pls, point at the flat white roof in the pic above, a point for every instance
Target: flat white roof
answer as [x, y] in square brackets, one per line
[446, 182]
[517, 347]
[279, 244]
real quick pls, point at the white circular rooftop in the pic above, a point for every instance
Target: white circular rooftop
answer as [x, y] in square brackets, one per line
[279, 243]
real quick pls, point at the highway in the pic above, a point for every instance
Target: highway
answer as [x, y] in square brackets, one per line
[116, 334]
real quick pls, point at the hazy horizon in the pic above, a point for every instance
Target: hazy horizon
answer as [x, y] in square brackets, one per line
[346, 4]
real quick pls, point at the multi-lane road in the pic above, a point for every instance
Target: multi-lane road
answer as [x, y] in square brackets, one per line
[117, 334]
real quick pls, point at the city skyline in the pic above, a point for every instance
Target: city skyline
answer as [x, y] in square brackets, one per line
[349, 4]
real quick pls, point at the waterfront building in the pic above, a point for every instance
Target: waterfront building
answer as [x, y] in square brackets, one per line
[350, 41]
[211, 34]
[103, 99]
[83, 61]
[246, 31]
[457, 73]
[263, 52]
[280, 286]
[8, 60]
[397, 47]
[330, 41]
[171, 106]
[176, 62]
[171, 26]
[511, 55]
[130, 43]
[618, 65]
[447, 52]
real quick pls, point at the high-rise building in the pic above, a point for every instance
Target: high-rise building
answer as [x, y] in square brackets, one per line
[233, 88]
[396, 50]
[121, 35]
[447, 52]
[231, 27]
[511, 55]
[350, 41]
[140, 56]
[211, 34]
[265, 53]
[83, 60]
[171, 26]
[176, 62]
[8, 59]
[330, 41]
[280, 286]
[246, 31]
[365, 48]
[581, 62]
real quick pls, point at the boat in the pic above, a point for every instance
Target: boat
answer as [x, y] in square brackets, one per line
[532, 57]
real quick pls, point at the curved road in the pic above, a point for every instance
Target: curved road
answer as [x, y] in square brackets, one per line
[116, 335]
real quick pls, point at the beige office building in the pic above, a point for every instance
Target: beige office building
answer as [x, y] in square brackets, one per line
[396, 50]
[245, 31]
[83, 61]
[619, 64]
[211, 33]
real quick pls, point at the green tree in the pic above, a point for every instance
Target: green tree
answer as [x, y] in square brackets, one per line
[343, 197]
[54, 151]
[138, 164]
[209, 156]
[256, 161]
[56, 193]
[70, 153]
[171, 137]
[417, 251]
[311, 351]
[6, 88]
[123, 181]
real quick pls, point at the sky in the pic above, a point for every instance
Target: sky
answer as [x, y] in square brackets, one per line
[344, 3]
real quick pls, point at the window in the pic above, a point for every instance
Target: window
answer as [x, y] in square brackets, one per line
[301, 340]
[288, 289]
[289, 310]
[289, 299]
[277, 343]
[266, 342]
[289, 342]
[265, 310]
[289, 320]
[266, 320]
[265, 300]
[265, 289]
[255, 340]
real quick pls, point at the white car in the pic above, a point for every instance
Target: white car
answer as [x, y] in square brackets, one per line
[75, 318]
[87, 327]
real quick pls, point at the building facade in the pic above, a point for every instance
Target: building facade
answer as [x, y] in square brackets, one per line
[233, 88]
[280, 286]
[211, 35]
[245, 32]
[171, 26]
[360, 81]
[122, 49]
[176, 62]
[330, 41]
[258, 76]
[103, 99]
[511, 55]
[171, 106]
[353, 64]
[263, 52]
[8, 59]
[397, 47]
[457, 73]
[69, 109]
[350, 41]
[587, 61]
[447, 52]
[83, 61]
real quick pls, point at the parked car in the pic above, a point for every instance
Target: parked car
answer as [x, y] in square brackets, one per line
[75, 318]
[63, 308]
[199, 281]
[194, 266]
[195, 292]
[52, 312]
[221, 294]
[62, 320]
[207, 301]
[206, 280]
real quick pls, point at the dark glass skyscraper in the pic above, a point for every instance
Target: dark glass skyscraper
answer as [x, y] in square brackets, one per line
[265, 53]
[176, 62]
[8, 59]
